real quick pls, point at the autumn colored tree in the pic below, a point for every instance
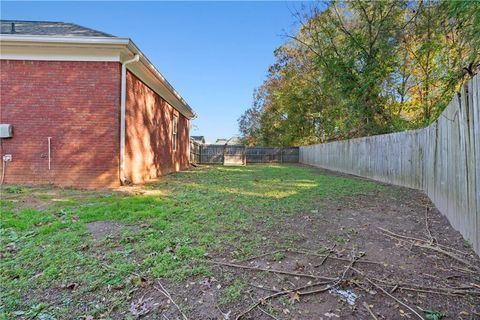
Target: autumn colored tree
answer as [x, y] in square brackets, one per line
[361, 68]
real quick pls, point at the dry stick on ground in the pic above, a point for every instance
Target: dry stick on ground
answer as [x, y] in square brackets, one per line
[428, 246]
[420, 240]
[394, 288]
[427, 227]
[166, 294]
[307, 253]
[263, 255]
[385, 292]
[277, 294]
[224, 315]
[304, 275]
[298, 290]
[462, 270]
[455, 293]
[369, 310]
[427, 289]
[335, 258]
[263, 288]
[325, 258]
[264, 311]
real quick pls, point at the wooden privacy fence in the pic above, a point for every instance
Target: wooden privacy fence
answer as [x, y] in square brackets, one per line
[266, 154]
[194, 151]
[442, 159]
[239, 154]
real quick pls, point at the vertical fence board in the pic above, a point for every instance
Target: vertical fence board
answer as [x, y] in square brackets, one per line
[194, 152]
[442, 159]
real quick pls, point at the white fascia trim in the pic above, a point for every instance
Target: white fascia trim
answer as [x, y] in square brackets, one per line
[29, 40]
[8, 52]
[187, 110]
[19, 47]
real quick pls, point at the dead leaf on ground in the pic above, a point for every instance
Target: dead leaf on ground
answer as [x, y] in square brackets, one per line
[294, 296]
[71, 286]
[141, 307]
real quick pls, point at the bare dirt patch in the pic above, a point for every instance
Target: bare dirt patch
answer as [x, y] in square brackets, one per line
[347, 259]
[101, 229]
[257, 242]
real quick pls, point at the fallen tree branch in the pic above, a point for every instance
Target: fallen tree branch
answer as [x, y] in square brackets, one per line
[426, 245]
[264, 311]
[333, 257]
[277, 294]
[263, 288]
[446, 293]
[166, 294]
[326, 257]
[369, 310]
[428, 289]
[388, 294]
[263, 255]
[420, 240]
[328, 254]
[294, 274]
[298, 290]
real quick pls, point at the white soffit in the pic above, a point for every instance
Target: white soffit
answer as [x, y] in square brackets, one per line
[45, 48]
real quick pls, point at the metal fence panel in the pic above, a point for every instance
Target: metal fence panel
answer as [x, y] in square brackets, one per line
[239, 154]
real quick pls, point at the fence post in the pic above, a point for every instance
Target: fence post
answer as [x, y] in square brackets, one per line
[245, 156]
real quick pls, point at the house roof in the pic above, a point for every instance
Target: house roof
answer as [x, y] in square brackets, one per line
[230, 141]
[48, 28]
[198, 138]
[60, 41]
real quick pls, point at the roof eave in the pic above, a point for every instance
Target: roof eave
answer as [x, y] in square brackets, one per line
[188, 112]
[121, 44]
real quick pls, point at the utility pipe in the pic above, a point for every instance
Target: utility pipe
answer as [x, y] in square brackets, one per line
[123, 98]
[49, 152]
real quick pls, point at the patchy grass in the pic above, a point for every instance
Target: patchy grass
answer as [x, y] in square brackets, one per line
[51, 265]
[234, 291]
[13, 189]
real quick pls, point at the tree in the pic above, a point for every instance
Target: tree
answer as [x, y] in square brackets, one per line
[360, 68]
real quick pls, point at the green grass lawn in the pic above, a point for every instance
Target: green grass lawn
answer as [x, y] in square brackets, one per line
[167, 229]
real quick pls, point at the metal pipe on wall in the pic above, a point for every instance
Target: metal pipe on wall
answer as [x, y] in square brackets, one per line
[123, 97]
[49, 153]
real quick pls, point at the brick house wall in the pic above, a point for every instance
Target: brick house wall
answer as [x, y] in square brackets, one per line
[149, 146]
[75, 103]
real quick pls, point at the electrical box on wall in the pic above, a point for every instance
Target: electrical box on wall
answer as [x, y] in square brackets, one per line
[6, 130]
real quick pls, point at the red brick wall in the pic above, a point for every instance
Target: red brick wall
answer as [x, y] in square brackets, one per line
[75, 103]
[149, 146]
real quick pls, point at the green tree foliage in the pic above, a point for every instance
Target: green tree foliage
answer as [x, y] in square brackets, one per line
[362, 68]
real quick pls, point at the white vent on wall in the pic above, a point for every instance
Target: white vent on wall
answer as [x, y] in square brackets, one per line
[6, 130]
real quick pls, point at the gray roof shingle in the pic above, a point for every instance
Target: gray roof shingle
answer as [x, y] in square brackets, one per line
[47, 28]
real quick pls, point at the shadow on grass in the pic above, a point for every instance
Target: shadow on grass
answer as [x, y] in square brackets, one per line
[168, 228]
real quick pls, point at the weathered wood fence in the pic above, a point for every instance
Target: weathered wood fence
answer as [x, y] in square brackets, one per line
[442, 159]
[195, 151]
[239, 154]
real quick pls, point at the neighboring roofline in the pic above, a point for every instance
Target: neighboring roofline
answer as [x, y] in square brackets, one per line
[125, 46]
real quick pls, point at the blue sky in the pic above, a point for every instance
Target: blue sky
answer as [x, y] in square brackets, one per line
[213, 53]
